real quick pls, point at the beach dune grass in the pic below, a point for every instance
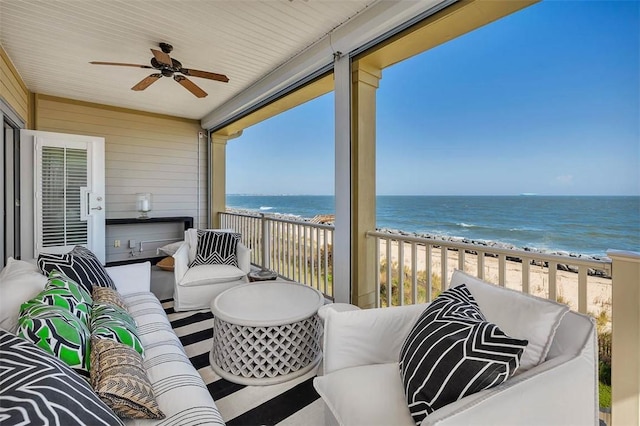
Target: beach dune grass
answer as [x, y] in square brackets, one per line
[421, 281]
[598, 287]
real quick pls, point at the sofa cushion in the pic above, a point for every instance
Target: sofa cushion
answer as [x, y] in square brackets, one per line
[80, 264]
[37, 388]
[151, 319]
[211, 274]
[113, 323]
[452, 352]
[520, 315]
[216, 248]
[119, 379]
[366, 395]
[131, 278]
[19, 282]
[58, 332]
[178, 388]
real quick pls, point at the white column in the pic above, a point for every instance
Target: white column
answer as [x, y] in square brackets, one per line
[342, 234]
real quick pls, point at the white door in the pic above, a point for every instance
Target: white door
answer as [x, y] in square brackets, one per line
[69, 204]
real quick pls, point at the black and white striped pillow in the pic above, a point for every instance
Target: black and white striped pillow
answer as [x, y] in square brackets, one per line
[216, 248]
[80, 264]
[452, 352]
[37, 388]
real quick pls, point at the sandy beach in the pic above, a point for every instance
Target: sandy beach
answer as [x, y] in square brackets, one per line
[598, 288]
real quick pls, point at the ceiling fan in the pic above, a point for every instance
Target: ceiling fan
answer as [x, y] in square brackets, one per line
[169, 67]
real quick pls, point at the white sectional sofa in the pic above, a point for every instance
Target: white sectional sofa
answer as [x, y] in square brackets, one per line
[179, 390]
[362, 384]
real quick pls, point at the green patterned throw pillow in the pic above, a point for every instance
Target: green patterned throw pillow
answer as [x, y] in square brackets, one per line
[59, 280]
[66, 294]
[111, 322]
[58, 332]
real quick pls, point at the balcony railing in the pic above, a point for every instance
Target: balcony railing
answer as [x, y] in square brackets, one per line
[297, 250]
[422, 267]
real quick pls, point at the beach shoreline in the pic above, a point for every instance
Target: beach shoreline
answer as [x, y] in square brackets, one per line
[435, 237]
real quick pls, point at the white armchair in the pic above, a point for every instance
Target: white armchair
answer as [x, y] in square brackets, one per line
[362, 384]
[196, 287]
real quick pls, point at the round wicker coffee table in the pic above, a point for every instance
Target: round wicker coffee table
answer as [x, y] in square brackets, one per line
[266, 332]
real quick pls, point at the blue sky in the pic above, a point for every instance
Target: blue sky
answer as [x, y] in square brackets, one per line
[544, 101]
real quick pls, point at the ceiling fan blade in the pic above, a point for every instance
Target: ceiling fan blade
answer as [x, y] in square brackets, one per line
[190, 86]
[146, 82]
[204, 74]
[121, 64]
[162, 57]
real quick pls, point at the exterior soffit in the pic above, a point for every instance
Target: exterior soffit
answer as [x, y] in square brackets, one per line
[310, 91]
[451, 22]
[374, 21]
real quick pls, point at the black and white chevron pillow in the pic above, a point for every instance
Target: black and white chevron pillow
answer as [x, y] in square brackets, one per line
[80, 264]
[37, 388]
[216, 248]
[452, 352]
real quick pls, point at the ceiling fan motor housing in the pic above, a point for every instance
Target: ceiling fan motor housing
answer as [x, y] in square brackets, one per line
[167, 70]
[166, 47]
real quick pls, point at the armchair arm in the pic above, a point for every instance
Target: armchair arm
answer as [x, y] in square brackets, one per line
[181, 261]
[369, 336]
[561, 391]
[132, 278]
[244, 258]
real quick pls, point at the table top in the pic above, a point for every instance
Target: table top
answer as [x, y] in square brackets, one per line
[265, 304]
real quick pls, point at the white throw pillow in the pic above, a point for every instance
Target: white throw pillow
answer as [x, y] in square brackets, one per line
[170, 249]
[19, 282]
[519, 315]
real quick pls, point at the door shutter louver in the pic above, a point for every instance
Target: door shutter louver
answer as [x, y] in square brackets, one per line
[64, 175]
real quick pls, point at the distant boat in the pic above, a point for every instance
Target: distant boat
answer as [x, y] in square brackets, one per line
[528, 194]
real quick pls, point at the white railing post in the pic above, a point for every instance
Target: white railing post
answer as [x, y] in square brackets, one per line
[266, 238]
[625, 350]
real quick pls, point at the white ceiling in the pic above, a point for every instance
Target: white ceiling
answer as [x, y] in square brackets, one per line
[52, 42]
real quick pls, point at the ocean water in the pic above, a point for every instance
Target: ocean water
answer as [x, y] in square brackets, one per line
[582, 224]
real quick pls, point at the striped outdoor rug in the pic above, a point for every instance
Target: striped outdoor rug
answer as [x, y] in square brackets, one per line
[292, 403]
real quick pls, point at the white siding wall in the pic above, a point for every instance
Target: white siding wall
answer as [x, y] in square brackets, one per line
[144, 152]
